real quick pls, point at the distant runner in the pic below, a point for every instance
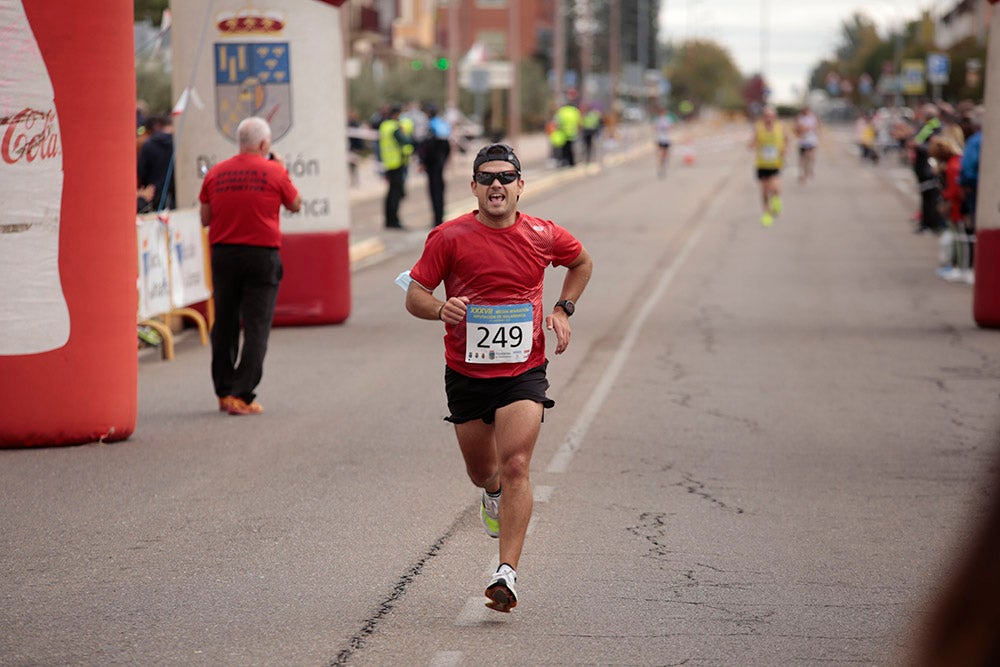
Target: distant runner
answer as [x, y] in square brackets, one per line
[768, 143]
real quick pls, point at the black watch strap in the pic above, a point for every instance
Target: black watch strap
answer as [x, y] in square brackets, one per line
[568, 306]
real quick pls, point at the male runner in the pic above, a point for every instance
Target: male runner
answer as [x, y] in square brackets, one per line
[492, 262]
[769, 144]
[807, 130]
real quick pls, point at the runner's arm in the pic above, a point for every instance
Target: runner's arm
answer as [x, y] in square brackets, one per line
[421, 303]
[577, 276]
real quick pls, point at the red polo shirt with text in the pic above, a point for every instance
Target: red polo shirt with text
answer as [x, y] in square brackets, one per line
[245, 193]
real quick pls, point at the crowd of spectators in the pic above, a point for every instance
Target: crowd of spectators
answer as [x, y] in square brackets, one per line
[941, 143]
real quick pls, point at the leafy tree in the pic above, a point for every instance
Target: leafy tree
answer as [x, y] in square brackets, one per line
[150, 9]
[704, 73]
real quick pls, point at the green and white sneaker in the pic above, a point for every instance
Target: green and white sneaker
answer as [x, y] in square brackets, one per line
[489, 512]
[501, 591]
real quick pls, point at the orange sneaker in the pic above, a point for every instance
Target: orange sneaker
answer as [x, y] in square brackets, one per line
[224, 402]
[238, 406]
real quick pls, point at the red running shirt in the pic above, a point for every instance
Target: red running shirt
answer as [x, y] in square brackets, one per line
[494, 267]
[246, 193]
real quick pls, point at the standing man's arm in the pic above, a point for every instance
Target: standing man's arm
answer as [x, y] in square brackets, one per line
[577, 276]
[206, 214]
[296, 204]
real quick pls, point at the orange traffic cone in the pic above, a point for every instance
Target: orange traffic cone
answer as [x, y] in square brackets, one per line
[687, 151]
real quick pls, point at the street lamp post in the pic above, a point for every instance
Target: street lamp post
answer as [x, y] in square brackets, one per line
[763, 46]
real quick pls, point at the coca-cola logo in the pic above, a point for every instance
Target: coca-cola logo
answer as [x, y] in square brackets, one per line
[30, 135]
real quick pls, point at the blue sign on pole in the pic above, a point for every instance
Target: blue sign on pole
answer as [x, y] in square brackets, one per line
[937, 68]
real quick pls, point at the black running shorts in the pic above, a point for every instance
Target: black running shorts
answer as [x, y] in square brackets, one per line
[480, 398]
[764, 174]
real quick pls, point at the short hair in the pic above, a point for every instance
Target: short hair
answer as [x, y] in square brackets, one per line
[251, 131]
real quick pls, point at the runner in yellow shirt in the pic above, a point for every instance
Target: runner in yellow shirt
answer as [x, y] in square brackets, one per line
[768, 143]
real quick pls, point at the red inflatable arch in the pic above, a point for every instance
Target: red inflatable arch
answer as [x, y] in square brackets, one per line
[68, 362]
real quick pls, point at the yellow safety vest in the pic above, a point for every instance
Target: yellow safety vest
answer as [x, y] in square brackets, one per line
[592, 120]
[770, 144]
[407, 125]
[569, 119]
[389, 150]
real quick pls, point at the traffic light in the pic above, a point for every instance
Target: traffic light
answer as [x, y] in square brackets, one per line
[416, 65]
[442, 63]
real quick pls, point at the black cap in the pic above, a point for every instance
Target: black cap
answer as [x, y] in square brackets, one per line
[501, 152]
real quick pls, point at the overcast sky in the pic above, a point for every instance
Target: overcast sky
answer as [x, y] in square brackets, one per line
[796, 34]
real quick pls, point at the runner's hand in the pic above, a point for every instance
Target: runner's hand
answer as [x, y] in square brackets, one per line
[559, 322]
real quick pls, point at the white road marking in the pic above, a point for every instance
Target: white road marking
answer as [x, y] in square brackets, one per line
[474, 612]
[560, 462]
[542, 494]
[446, 659]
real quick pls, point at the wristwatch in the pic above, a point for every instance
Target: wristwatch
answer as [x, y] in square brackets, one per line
[568, 306]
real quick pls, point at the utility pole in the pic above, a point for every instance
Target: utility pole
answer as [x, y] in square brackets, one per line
[559, 52]
[614, 48]
[642, 47]
[514, 55]
[585, 29]
[453, 49]
[763, 46]
[986, 292]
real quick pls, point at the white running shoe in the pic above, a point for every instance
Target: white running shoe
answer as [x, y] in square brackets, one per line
[489, 512]
[501, 591]
[952, 275]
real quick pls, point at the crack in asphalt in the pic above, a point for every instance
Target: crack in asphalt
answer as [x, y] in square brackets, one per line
[383, 608]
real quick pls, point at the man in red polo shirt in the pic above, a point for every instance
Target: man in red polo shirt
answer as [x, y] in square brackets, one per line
[241, 199]
[492, 262]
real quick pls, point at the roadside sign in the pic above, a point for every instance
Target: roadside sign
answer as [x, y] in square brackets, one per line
[484, 77]
[937, 68]
[912, 77]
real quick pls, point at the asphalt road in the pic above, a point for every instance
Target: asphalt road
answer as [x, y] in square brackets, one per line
[767, 447]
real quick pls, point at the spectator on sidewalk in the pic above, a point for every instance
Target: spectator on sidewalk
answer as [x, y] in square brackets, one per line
[434, 150]
[241, 199]
[391, 140]
[568, 120]
[955, 245]
[927, 180]
[155, 162]
[592, 123]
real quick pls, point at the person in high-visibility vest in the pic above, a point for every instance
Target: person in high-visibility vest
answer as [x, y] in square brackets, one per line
[592, 122]
[568, 120]
[768, 143]
[557, 140]
[391, 140]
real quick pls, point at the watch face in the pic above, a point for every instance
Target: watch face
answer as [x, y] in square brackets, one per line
[567, 306]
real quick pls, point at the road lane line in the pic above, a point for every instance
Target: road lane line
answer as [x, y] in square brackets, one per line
[446, 659]
[561, 460]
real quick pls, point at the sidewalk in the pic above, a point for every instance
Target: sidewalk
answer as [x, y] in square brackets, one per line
[368, 236]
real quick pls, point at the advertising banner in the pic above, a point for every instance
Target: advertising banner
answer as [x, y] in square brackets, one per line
[281, 60]
[277, 59]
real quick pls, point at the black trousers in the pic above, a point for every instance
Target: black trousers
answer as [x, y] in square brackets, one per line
[245, 288]
[568, 154]
[394, 196]
[435, 187]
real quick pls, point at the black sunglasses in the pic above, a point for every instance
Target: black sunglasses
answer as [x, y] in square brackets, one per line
[505, 177]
